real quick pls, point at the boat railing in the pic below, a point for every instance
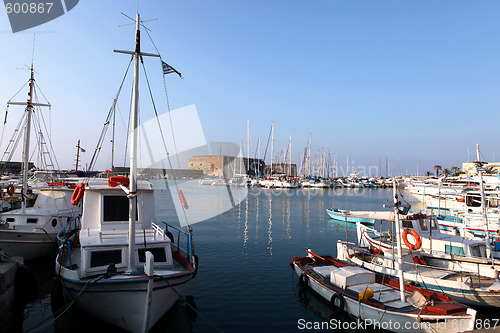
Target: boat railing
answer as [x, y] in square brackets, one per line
[177, 234]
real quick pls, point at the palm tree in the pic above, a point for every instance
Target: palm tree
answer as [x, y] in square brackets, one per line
[428, 173]
[438, 168]
[446, 172]
[455, 170]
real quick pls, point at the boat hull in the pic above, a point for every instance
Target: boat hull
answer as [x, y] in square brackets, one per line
[340, 215]
[122, 301]
[28, 244]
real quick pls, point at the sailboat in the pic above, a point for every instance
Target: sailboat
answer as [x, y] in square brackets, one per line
[124, 268]
[31, 232]
[384, 302]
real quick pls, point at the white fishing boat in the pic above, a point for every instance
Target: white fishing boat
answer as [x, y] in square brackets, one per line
[124, 267]
[31, 232]
[464, 287]
[376, 299]
[384, 302]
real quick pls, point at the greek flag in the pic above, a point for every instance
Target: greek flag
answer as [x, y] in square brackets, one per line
[167, 69]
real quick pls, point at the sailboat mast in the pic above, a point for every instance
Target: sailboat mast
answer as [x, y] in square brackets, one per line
[397, 226]
[133, 150]
[484, 209]
[27, 136]
[272, 149]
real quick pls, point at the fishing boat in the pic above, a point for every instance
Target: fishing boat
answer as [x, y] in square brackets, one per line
[343, 215]
[385, 302]
[376, 299]
[123, 267]
[31, 232]
[422, 236]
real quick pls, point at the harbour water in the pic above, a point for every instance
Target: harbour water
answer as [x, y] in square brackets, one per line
[244, 282]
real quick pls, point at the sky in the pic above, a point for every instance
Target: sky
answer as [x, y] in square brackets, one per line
[416, 83]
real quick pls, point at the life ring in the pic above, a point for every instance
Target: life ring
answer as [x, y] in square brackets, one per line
[303, 280]
[77, 194]
[114, 181]
[10, 189]
[333, 302]
[418, 240]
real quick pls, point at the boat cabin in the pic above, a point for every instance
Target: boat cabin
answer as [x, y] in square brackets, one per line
[435, 241]
[105, 229]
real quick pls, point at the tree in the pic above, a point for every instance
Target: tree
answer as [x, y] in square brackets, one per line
[455, 171]
[438, 168]
[428, 173]
[446, 172]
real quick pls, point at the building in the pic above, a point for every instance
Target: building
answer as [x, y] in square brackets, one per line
[226, 166]
[470, 168]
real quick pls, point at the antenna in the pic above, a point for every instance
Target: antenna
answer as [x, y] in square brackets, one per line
[133, 22]
[33, 52]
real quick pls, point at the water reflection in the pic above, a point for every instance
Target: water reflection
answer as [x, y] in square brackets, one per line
[322, 311]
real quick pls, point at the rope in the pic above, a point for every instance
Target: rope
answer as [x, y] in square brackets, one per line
[111, 112]
[65, 309]
[163, 140]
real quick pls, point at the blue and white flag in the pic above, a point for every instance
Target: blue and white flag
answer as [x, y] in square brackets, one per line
[480, 168]
[167, 69]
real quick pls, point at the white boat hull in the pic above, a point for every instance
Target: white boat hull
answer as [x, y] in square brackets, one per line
[122, 302]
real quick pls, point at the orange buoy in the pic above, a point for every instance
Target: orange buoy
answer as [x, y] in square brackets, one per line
[183, 199]
[114, 181]
[77, 194]
[418, 240]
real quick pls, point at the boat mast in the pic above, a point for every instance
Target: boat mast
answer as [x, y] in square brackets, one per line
[77, 155]
[398, 235]
[133, 150]
[484, 208]
[272, 149]
[134, 134]
[309, 156]
[27, 135]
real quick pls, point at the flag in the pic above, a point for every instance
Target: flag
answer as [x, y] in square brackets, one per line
[82, 150]
[480, 168]
[167, 69]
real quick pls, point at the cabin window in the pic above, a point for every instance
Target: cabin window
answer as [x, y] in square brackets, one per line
[407, 224]
[423, 225]
[433, 224]
[158, 253]
[450, 249]
[116, 208]
[31, 220]
[493, 202]
[473, 201]
[104, 258]
[10, 219]
[475, 251]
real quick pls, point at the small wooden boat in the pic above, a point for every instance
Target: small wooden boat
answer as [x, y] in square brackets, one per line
[376, 299]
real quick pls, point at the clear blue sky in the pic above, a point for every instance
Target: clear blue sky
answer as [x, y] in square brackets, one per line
[404, 80]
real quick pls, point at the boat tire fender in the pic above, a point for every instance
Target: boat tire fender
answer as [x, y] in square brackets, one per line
[10, 189]
[196, 262]
[170, 236]
[418, 240]
[303, 280]
[341, 303]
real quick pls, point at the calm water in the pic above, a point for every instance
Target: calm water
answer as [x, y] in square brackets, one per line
[244, 283]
